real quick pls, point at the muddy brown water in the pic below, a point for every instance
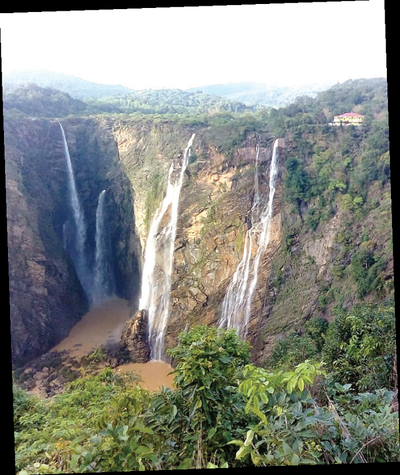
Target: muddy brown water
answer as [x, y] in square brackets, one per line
[154, 374]
[103, 324]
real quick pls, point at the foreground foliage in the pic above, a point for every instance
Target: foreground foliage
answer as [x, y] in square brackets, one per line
[358, 347]
[224, 412]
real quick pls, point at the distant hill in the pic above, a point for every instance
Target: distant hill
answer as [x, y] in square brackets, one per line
[167, 101]
[257, 93]
[35, 101]
[74, 86]
[29, 99]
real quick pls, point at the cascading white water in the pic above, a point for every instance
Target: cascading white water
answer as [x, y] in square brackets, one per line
[236, 306]
[101, 288]
[79, 220]
[158, 259]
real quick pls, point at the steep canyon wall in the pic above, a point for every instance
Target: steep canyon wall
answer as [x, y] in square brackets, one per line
[215, 201]
[299, 274]
[46, 297]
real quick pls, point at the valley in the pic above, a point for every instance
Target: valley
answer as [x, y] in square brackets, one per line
[190, 238]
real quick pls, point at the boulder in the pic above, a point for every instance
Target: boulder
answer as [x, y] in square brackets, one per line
[135, 337]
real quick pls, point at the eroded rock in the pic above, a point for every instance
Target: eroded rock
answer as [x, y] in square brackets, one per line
[135, 337]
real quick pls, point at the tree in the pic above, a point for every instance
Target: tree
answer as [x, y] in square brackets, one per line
[297, 182]
[360, 346]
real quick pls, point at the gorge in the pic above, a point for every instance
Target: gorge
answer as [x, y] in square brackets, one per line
[239, 221]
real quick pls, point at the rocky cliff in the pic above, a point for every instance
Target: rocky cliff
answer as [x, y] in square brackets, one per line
[46, 297]
[306, 271]
[215, 201]
[327, 248]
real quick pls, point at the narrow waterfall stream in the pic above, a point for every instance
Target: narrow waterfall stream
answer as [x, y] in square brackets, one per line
[158, 259]
[103, 279]
[78, 253]
[100, 276]
[236, 306]
[96, 279]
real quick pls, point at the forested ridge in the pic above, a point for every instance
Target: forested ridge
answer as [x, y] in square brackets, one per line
[327, 391]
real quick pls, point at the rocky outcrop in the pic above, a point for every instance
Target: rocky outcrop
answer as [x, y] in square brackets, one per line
[135, 337]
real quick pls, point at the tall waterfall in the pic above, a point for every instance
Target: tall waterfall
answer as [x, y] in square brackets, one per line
[158, 259]
[236, 306]
[102, 279]
[78, 256]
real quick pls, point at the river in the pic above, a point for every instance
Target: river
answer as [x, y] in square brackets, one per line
[104, 323]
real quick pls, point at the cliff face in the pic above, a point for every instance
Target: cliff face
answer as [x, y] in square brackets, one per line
[46, 297]
[215, 200]
[305, 271]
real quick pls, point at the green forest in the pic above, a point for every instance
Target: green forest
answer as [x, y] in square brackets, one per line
[327, 393]
[325, 396]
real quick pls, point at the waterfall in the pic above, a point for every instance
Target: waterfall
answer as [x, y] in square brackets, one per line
[102, 287]
[236, 306]
[78, 257]
[158, 259]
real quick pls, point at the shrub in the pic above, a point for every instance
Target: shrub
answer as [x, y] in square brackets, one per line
[360, 346]
[365, 267]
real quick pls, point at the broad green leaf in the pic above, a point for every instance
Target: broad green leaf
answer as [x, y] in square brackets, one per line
[196, 405]
[286, 448]
[242, 452]
[172, 414]
[295, 459]
[256, 459]
[142, 428]
[78, 439]
[236, 442]
[78, 449]
[211, 465]
[74, 461]
[259, 414]
[256, 402]
[185, 464]
[143, 449]
[249, 437]
[263, 398]
[307, 461]
[225, 359]
[95, 440]
[211, 432]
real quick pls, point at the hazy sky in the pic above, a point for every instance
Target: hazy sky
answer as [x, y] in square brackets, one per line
[181, 47]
